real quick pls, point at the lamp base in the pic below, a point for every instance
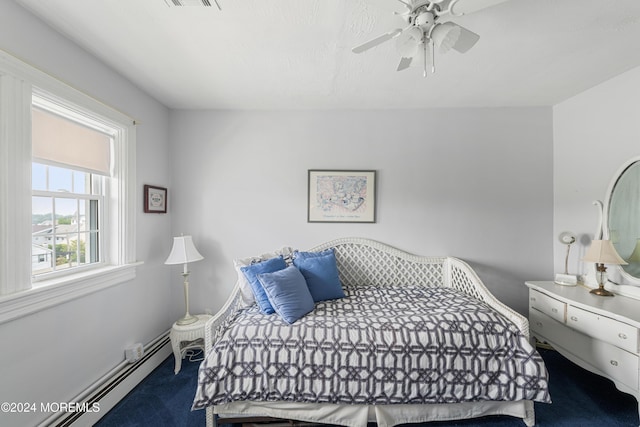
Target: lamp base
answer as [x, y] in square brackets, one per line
[601, 291]
[187, 320]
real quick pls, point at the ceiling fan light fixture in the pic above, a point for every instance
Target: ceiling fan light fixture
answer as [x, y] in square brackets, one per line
[449, 36]
[407, 43]
[424, 58]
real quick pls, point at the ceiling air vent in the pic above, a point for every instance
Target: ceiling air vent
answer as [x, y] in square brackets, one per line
[191, 3]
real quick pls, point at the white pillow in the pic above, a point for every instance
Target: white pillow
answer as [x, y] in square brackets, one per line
[245, 288]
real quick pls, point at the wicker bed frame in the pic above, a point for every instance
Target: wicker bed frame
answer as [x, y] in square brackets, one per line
[366, 261]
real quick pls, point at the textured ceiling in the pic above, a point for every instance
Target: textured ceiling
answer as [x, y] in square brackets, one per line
[296, 54]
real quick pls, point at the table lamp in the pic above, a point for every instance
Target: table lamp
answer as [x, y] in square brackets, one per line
[566, 238]
[184, 252]
[602, 252]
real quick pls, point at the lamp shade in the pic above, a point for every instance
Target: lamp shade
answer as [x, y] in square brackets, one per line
[603, 252]
[183, 251]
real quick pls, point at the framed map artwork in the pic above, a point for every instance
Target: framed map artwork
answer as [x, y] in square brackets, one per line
[341, 196]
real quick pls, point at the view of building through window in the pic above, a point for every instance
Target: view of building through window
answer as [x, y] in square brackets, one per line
[64, 219]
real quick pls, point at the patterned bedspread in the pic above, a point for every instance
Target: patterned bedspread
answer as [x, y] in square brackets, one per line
[379, 345]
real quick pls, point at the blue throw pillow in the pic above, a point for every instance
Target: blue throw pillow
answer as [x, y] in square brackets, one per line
[321, 274]
[300, 255]
[251, 273]
[288, 293]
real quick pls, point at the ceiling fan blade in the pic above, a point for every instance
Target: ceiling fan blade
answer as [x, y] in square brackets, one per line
[375, 42]
[404, 63]
[462, 7]
[449, 36]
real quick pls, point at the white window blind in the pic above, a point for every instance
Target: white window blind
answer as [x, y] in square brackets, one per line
[60, 142]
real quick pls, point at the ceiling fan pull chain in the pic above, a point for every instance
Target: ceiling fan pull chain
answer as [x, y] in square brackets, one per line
[424, 69]
[433, 56]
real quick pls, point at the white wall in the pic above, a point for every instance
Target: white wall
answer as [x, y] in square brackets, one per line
[594, 133]
[472, 183]
[54, 354]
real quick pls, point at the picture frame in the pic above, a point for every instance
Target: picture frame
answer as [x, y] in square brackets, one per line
[341, 196]
[155, 199]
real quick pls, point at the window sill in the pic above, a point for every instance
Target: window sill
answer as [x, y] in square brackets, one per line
[52, 292]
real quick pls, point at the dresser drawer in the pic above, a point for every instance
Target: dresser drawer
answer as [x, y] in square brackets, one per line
[552, 307]
[603, 328]
[616, 363]
[545, 328]
[599, 356]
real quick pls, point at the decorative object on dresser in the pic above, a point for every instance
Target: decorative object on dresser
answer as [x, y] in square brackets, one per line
[566, 238]
[396, 339]
[602, 252]
[184, 252]
[598, 334]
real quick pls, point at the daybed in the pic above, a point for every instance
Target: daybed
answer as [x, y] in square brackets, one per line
[414, 339]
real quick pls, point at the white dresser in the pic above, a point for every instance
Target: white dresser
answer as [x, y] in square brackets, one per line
[599, 334]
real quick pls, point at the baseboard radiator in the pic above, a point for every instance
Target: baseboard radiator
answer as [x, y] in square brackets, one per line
[112, 387]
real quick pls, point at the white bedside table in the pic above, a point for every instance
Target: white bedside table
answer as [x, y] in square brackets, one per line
[187, 337]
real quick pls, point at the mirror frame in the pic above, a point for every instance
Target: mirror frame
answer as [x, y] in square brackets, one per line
[628, 278]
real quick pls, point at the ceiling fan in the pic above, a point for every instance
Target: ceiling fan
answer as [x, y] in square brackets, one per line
[417, 42]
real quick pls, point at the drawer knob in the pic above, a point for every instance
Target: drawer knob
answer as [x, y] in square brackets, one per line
[555, 310]
[574, 318]
[539, 324]
[614, 362]
[622, 336]
[533, 299]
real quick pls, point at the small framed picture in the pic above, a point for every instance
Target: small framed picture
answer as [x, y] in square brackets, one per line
[155, 199]
[341, 196]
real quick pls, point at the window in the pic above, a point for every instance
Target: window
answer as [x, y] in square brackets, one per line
[66, 217]
[69, 173]
[65, 223]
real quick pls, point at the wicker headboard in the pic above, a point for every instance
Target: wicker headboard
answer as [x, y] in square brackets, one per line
[367, 262]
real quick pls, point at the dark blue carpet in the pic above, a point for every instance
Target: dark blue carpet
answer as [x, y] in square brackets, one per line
[580, 398]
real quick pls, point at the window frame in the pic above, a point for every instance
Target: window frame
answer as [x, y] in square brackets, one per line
[19, 296]
[63, 109]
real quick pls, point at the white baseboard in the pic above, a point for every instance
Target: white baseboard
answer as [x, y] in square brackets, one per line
[111, 388]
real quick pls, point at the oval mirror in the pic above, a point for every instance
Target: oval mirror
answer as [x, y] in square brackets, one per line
[623, 218]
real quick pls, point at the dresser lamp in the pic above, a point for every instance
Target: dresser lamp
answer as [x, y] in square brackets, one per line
[602, 252]
[184, 252]
[566, 238]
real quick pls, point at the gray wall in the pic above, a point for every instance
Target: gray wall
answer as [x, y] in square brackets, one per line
[471, 183]
[595, 133]
[54, 354]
